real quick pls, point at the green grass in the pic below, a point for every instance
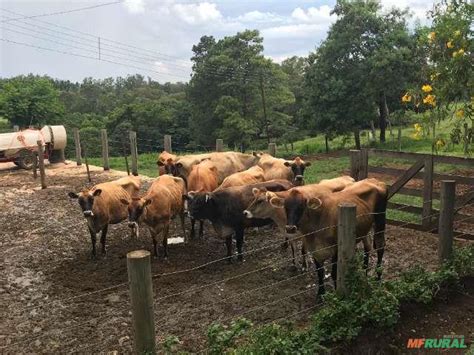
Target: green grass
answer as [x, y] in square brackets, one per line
[146, 163]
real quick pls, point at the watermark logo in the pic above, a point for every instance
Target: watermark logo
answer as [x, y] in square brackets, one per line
[446, 342]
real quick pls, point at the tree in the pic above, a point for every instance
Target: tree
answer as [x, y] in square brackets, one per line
[338, 92]
[234, 70]
[30, 100]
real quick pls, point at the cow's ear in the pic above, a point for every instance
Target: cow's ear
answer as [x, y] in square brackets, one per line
[256, 192]
[147, 202]
[269, 195]
[124, 201]
[277, 202]
[97, 192]
[307, 163]
[287, 163]
[160, 163]
[314, 203]
[73, 195]
[191, 194]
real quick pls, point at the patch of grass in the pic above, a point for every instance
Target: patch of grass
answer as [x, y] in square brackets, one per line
[326, 169]
[146, 163]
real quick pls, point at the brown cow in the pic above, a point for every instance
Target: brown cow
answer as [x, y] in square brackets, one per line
[246, 177]
[226, 163]
[277, 168]
[166, 162]
[316, 216]
[162, 202]
[261, 207]
[101, 205]
[203, 178]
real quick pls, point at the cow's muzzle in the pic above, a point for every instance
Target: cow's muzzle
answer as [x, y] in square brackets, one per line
[299, 179]
[248, 214]
[88, 213]
[291, 229]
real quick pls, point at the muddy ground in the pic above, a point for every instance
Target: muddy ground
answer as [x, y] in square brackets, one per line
[55, 298]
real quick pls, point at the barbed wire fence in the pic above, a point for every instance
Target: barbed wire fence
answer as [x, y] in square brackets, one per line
[103, 320]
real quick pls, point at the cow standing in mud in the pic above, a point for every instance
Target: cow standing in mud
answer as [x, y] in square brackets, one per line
[262, 208]
[162, 202]
[316, 216]
[225, 207]
[101, 206]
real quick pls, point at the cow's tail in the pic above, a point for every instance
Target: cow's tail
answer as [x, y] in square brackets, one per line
[380, 220]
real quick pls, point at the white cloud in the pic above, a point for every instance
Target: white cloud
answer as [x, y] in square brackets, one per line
[303, 30]
[195, 14]
[135, 6]
[418, 8]
[313, 14]
[259, 17]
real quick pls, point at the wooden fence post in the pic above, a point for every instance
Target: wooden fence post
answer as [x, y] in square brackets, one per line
[16, 128]
[141, 295]
[134, 152]
[167, 143]
[346, 227]
[427, 193]
[41, 163]
[272, 148]
[35, 165]
[446, 218]
[364, 164]
[77, 144]
[355, 163]
[126, 159]
[87, 164]
[219, 145]
[105, 149]
[399, 138]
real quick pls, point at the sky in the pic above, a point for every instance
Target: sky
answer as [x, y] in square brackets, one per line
[154, 37]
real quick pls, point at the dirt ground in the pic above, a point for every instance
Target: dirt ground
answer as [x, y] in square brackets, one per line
[55, 299]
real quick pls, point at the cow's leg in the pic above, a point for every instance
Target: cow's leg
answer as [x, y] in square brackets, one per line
[366, 243]
[320, 270]
[102, 238]
[304, 262]
[183, 227]
[228, 244]
[193, 233]
[153, 234]
[165, 232]
[201, 229]
[239, 238]
[93, 241]
[334, 270]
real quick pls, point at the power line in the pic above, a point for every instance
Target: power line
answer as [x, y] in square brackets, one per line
[64, 12]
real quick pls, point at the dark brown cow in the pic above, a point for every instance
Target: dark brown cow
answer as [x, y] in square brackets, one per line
[224, 208]
[162, 202]
[101, 205]
[316, 215]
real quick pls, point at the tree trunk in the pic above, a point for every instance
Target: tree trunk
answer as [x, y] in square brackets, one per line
[357, 138]
[383, 115]
[327, 143]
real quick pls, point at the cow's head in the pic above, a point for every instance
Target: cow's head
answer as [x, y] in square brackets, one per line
[200, 205]
[86, 200]
[298, 167]
[260, 206]
[295, 206]
[167, 162]
[136, 207]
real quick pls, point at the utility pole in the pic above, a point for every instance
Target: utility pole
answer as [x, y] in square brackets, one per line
[262, 91]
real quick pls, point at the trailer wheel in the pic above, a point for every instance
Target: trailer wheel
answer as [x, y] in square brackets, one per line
[25, 160]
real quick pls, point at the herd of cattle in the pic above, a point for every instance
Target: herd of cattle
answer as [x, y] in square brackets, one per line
[235, 191]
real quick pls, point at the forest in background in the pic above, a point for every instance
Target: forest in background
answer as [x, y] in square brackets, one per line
[365, 75]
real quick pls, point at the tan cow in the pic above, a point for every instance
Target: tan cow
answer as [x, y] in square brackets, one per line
[226, 163]
[261, 207]
[316, 216]
[166, 163]
[277, 168]
[203, 178]
[162, 202]
[101, 205]
[246, 177]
